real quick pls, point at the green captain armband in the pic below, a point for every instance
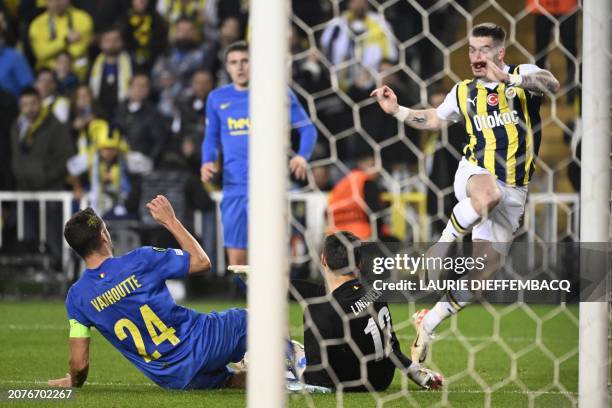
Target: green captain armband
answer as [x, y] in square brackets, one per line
[78, 330]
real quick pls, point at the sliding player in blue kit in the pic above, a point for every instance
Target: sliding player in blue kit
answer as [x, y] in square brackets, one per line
[227, 126]
[126, 299]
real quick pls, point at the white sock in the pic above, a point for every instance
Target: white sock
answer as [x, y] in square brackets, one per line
[440, 312]
[463, 217]
[447, 236]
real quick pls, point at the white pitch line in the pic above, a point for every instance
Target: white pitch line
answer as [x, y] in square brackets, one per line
[514, 392]
[87, 383]
[451, 391]
[473, 338]
[34, 327]
[510, 392]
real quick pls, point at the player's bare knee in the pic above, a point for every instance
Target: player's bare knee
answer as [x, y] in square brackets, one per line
[475, 200]
[492, 197]
[480, 204]
[486, 199]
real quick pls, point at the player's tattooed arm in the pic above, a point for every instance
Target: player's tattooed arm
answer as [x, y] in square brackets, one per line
[540, 82]
[423, 119]
[426, 119]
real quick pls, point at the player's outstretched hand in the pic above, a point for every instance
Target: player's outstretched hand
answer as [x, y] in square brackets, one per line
[161, 210]
[65, 382]
[207, 171]
[495, 73]
[297, 165]
[386, 99]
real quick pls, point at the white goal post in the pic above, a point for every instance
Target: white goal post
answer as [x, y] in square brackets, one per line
[595, 195]
[268, 239]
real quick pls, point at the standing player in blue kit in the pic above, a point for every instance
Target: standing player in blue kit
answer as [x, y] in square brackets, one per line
[227, 126]
[126, 299]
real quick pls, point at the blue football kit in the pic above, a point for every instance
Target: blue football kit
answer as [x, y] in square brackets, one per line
[127, 301]
[227, 126]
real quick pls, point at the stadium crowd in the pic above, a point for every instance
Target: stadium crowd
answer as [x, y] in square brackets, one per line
[107, 98]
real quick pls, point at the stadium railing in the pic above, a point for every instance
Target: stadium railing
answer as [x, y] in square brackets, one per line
[42, 198]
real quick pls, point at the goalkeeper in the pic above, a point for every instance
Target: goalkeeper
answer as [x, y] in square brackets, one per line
[349, 340]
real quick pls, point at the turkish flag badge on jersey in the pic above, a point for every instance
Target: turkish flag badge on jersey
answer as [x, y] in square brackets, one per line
[492, 99]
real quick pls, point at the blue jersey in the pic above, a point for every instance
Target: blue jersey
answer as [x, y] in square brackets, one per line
[127, 301]
[227, 125]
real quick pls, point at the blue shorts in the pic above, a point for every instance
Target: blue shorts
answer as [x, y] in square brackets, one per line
[226, 341]
[235, 220]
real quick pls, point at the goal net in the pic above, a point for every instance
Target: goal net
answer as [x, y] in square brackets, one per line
[498, 351]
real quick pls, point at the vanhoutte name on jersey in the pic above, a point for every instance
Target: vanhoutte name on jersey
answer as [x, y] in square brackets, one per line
[503, 128]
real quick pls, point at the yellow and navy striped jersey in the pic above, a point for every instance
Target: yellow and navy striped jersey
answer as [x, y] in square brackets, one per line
[503, 128]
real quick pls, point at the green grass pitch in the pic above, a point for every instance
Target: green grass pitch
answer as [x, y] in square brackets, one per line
[472, 351]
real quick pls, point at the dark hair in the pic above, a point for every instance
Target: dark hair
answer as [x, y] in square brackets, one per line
[109, 28]
[236, 46]
[29, 91]
[490, 30]
[185, 19]
[342, 252]
[46, 70]
[139, 74]
[82, 232]
[203, 71]
[64, 52]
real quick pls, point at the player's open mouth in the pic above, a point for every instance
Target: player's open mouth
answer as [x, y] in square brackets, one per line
[479, 65]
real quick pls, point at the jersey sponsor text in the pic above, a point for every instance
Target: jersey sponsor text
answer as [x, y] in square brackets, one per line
[496, 119]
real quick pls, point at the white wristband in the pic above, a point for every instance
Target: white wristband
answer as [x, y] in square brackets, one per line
[402, 114]
[515, 80]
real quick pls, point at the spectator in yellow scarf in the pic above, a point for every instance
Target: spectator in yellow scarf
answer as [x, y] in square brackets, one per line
[111, 72]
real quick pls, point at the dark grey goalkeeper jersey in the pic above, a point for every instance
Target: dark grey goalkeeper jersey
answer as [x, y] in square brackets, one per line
[366, 362]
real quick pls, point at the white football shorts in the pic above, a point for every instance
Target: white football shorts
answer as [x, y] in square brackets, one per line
[503, 221]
